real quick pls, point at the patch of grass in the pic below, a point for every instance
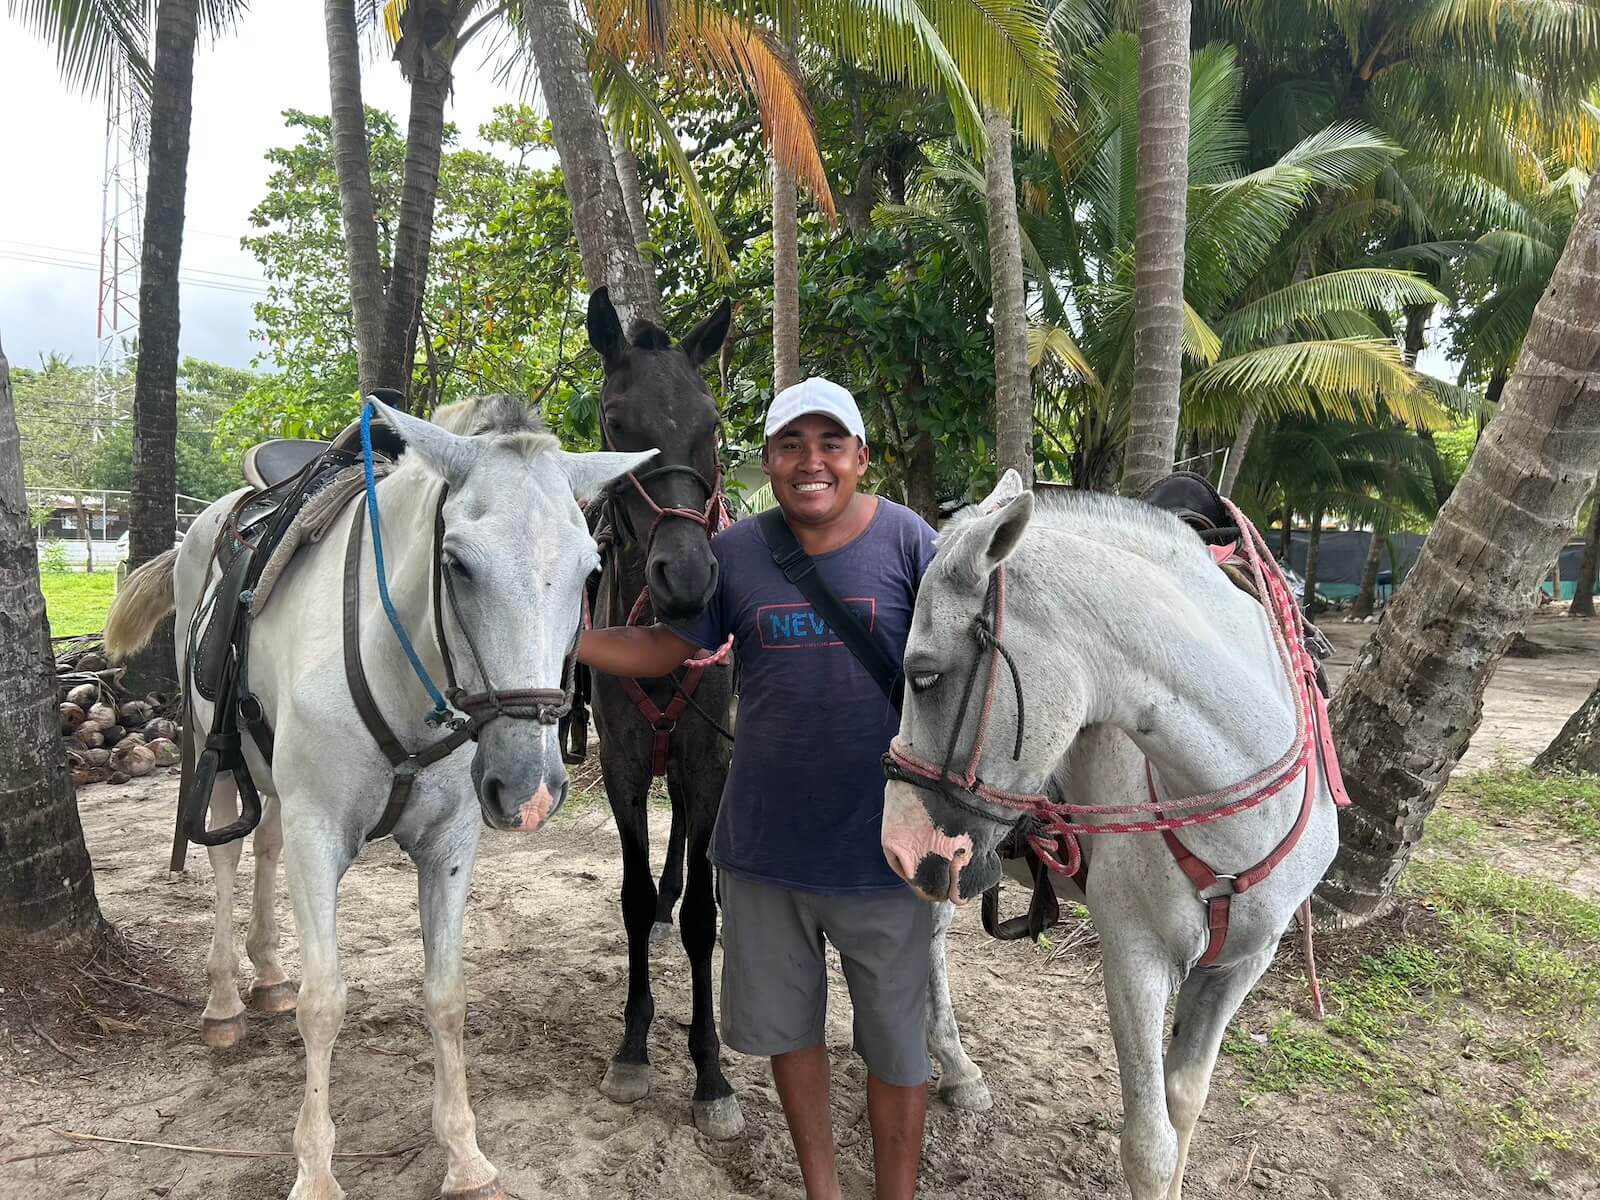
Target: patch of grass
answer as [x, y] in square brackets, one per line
[1568, 802]
[77, 601]
[1493, 968]
[1446, 827]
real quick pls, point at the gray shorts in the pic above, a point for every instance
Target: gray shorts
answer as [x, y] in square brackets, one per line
[775, 979]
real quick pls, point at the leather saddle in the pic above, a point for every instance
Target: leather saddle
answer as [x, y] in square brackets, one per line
[283, 474]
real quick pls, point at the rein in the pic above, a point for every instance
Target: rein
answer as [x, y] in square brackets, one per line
[544, 705]
[1055, 836]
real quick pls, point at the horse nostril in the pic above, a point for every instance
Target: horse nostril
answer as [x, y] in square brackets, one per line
[656, 576]
[491, 792]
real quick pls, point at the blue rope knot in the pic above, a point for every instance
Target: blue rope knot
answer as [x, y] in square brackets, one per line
[440, 714]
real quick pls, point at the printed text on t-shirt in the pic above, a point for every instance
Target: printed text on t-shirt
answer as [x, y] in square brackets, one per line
[797, 626]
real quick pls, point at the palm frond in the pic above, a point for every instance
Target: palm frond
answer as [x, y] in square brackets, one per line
[1056, 342]
[1342, 378]
[1354, 290]
[1200, 342]
[636, 117]
[93, 39]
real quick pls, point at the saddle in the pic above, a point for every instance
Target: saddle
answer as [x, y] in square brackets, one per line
[1191, 498]
[283, 475]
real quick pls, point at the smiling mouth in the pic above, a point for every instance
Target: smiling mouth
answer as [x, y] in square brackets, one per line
[810, 488]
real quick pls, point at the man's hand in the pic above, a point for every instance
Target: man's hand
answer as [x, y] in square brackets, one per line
[634, 651]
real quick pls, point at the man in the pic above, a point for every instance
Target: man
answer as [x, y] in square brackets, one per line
[797, 841]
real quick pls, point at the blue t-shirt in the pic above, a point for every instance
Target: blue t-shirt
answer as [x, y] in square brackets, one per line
[804, 800]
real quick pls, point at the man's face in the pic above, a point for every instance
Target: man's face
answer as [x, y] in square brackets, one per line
[815, 467]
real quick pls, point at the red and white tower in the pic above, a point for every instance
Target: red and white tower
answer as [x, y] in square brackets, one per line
[121, 242]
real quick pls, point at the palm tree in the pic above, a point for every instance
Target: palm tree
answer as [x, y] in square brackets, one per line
[1013, 387]
[1405, 712]
[1162, 184]
[1251, 337]
[46, 882]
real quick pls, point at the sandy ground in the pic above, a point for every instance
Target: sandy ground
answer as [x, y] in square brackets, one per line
[546, 977]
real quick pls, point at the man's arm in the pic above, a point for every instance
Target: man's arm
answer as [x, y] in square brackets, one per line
[634, 651]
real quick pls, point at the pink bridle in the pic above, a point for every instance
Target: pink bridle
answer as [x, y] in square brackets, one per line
[1312, 740]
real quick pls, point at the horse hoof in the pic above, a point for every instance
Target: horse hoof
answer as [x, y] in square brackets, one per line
[484, 1191]
[661, 933]
[970, 1095]
[720, 1119]
[222, 1033]
[626, 1083]
[274, 997]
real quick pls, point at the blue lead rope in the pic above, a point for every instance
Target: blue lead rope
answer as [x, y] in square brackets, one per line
[441, 710]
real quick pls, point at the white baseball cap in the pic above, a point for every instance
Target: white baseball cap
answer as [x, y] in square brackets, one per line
[815, 395]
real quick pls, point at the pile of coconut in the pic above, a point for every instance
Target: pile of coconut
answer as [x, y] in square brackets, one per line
[111, 737]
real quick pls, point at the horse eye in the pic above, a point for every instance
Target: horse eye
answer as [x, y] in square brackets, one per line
[924, 680]
[457, 568]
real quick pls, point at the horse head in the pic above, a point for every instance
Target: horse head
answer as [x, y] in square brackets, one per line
[513, 556]
[654, 395]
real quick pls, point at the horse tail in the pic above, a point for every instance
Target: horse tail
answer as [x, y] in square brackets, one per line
[145, 599]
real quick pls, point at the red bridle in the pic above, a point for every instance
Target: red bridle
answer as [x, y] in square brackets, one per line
[1312, 739]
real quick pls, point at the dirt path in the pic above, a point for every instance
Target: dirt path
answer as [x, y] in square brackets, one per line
[546, 982]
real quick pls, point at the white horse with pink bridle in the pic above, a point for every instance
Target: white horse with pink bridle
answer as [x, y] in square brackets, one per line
[1080, 668]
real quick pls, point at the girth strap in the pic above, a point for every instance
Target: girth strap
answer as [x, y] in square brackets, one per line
[405, 764]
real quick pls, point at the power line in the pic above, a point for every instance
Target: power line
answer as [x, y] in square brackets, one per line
[184, 278]
[85, 255]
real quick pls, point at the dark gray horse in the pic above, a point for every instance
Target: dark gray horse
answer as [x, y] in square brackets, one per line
[657, 523]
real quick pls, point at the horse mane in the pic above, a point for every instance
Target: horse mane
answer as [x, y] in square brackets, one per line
[647, 335]
[1133, 526]
[502, 416]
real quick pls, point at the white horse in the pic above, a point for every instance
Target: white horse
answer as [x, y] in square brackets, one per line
[1087, 651]
[516, 553]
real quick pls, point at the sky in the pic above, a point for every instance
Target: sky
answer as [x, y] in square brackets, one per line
[53, 145]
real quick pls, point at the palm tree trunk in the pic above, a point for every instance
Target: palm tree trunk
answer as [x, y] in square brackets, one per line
[1408, 708]
[152, 514]
[1160, 211]
[785, 278]
[46, 882]
[402, 306]
[152, 506]
[1013, 391]
[1577, 746]
[1313, 553]
[599, 215]
[1417, 317]
[353, 166]
[1241, 445]
[627, 165]
[922, 478]
[1367, 594]
[1583, 586]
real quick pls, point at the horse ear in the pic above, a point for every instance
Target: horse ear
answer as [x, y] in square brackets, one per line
[605, 327]
[706, 338]
[1007, 490]
[450, 454]
[588, 473]
[985, 542]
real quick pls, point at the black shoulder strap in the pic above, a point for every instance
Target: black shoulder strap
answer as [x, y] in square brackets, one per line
[799, 569]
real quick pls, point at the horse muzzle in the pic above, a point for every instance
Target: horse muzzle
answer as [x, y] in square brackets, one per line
[938, 863]
[519, 796]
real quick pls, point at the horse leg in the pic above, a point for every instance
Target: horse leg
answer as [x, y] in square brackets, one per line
[716, 1108]
[1139, 980]
[316, 859]
[671, 878]
[961, 1082]
[627, 1078]
[271, 990]
[444, 875]
[1206, 1003]
[222, 1023]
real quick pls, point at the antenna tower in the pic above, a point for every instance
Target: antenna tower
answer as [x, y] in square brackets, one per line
[121, 242]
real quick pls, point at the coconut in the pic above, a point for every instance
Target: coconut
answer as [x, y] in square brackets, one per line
[113, 733]
[133, 761]
[160, 727]
[92, 662]
[128, 742]
[72, 716]
[117, 777]
[103, 715]
[86, 775]
[133, 714]
[88, 735]
[166, 752]
[98, 757]
[84, 695]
